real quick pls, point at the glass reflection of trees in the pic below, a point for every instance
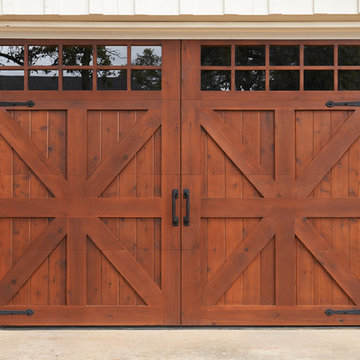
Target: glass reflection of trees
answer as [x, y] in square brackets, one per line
[48, 55]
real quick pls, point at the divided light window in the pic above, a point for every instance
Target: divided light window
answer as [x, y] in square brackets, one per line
[286, 67]
[80, 67]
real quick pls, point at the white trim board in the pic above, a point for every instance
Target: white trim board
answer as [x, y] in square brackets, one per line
[180, 30]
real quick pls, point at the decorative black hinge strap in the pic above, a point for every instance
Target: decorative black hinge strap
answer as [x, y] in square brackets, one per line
[29, 103]
[330, 312]
[28, 312]
[331, 104]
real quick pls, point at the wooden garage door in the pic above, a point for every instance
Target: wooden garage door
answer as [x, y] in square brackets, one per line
[86, 176]
[273, 177]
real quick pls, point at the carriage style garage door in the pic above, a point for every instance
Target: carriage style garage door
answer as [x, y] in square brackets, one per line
[169, 183]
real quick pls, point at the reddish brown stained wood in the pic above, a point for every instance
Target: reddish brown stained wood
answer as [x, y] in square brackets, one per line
[237, 262]
[329, 155]
[86, 315]
[304, 153]
[31, 155]
[39, 280]
[80, 207]
[124, 262]
[238, 153]
[76, 262]
[37, 252]
[109, 139]
[328, 258]
[123, 153]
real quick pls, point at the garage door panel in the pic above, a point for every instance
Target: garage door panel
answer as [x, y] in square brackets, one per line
[71, 155]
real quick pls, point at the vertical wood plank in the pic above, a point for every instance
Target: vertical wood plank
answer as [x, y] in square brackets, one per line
[21, 190]
[94, 274]
[234, 227]
[145, 189]
[267, 256]
[127, 188]
[323, 282]
[191, 235]
[354, 223]
[57, 124]
[339, 189]
[6, 191]
[285, 234]
[216, 227]
[251, 139]
[39, 135]
[76, 238]
[109, 275]
[304, 155]
[170, 179]
[76, 261]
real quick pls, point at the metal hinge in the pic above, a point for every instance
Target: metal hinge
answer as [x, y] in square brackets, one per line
[331, 103]
[28, 312]
[29, 103]
[330, 312]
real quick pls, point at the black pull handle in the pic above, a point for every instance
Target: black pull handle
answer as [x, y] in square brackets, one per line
[175, 195]
[187, 198]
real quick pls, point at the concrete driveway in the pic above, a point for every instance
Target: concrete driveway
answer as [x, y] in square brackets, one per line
[185, 344]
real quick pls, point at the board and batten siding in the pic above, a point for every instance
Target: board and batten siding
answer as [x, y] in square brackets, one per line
[178, 7]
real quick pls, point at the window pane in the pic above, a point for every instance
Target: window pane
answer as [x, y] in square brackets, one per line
[145, 79]
[111, 80]
[77, 55]
[11, 80]
[43, 79]
[215, 55]
[349, 79]
[11, 55]
[349, 55]
[218, 80]
[318, 80]
[77, 79]
[250, 55]
[284, 80]
[319, 55]
[43, 55]
[250, 80]
[112, 55]
[146, 55]
[284, 55]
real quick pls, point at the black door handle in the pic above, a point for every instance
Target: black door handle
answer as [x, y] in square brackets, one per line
[175, 195]
[186, 194]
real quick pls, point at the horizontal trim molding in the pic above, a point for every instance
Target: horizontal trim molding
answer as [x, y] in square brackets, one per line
[180, 29]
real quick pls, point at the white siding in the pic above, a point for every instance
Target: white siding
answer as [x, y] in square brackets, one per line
[338, 7]
[246, 7]
[178, 7]
[201, 7]
[155, 7]
[289, 7]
